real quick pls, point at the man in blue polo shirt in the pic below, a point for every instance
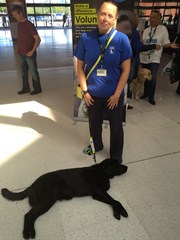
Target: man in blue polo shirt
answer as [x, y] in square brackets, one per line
[103, 90]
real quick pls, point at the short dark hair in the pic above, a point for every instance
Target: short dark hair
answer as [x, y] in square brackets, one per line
[123, 18]
[17, 8]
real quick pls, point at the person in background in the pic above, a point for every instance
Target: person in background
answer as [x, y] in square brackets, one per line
[129, 27]
[170, 18]
[103, 91]
[4, 22]
[156, 33]
[176, 57]
[138, 47]
[28, 41]
[64, 20]
[175, 19]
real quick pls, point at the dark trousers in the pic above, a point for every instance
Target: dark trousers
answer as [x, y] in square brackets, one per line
[29, 64]
[150, 87]
[97, 111]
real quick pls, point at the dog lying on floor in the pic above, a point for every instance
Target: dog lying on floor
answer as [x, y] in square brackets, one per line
[66, 184]
[144, 74]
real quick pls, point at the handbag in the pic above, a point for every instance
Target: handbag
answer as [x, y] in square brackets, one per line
[167, 69]
[175, 71]
[78, 87]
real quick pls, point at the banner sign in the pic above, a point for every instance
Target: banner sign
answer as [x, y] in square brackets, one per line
[84, 18]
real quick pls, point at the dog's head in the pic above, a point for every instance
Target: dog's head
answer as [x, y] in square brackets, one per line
[144, 74]
[112, 168]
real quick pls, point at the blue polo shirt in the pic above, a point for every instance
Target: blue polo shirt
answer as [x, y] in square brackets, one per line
[89, 49]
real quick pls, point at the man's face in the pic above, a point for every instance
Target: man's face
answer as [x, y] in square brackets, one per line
[154, 19]
[17, 16]
[106, 17]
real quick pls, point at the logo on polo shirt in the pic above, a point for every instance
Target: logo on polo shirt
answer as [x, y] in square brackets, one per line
[111, 50]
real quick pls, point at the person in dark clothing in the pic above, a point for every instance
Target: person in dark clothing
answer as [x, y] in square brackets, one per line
[176, 57]
[103, 89]
[28, 41]
[170, 18]
[4, 21]
[64, 19]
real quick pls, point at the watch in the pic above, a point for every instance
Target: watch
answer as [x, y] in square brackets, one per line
[84, 92]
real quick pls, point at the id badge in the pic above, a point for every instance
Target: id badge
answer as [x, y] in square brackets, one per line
[101, 72]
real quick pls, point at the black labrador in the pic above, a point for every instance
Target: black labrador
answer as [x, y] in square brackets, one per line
[66, 184]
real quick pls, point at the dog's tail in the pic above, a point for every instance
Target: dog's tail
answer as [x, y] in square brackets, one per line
[13, 196]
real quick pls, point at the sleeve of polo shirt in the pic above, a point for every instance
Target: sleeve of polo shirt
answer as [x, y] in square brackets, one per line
[80, 49]
[126, 51]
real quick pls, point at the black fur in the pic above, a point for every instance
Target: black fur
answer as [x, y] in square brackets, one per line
[66, 184]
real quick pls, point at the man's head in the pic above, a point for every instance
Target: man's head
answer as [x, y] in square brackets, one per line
[155, 18]
[18, 14]
[124, 25]
[107, 15]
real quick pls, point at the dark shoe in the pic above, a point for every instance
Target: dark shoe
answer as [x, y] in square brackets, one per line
[35, 92]
[23, 91]
[129, 107]
[151, 101]
[143, 96]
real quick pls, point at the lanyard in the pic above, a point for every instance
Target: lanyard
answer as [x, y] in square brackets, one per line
[152, 35]
[103, 49]
[99, 58]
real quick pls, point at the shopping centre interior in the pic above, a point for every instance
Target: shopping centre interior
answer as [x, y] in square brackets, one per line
[38, 134]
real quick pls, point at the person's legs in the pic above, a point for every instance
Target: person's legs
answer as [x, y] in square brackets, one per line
[95, 122]
[32, 63]
[152, 84]
[24, 74]
[150, 87]
[116, 131]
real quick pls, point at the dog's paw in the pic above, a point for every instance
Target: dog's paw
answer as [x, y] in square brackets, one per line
[117, 214]
[119, 210]
[29, 234]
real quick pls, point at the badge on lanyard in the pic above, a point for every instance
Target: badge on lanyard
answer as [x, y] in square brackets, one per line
[101, 72]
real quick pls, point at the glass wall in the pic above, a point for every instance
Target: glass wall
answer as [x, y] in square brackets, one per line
[43, 13]
[168, 9]
[49, 13]
[4, 20]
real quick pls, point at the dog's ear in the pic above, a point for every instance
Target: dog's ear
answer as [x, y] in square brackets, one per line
[113, 168]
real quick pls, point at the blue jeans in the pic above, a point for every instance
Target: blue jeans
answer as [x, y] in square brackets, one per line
[29, 64]
[150, 87]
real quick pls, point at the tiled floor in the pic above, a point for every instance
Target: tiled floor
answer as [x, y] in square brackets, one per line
[38, 135]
